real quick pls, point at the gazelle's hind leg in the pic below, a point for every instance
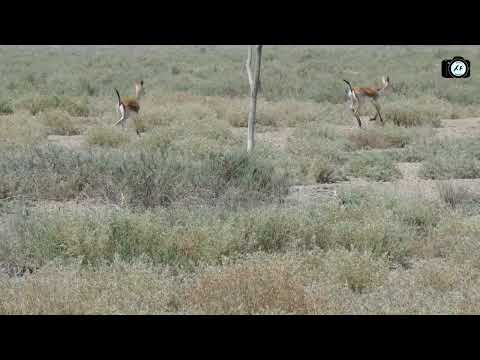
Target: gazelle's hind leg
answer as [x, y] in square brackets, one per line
[119, 121]
[355, 111]
[123, 118]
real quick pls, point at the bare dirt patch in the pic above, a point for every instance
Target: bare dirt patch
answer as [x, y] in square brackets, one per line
[459, 128]
[409, 170]
[276, 138]
[310, 194]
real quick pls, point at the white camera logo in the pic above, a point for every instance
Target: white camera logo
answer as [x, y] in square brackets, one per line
[458, 68]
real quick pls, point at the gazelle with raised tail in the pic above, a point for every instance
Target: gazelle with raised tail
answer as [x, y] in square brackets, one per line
[358, 96]
[129, 108]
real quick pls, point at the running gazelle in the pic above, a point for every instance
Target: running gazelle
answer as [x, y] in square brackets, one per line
[129, 108]
[358, 96]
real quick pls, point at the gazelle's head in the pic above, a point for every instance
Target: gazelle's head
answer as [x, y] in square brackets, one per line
[139, 89]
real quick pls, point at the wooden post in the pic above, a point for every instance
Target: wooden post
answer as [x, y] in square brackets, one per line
[254, 81]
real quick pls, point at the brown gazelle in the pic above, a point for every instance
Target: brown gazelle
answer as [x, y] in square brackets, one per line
[358, 96]
[129, 108]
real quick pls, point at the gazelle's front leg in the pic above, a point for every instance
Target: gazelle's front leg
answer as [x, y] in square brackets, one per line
[136, 126]
[377, 108]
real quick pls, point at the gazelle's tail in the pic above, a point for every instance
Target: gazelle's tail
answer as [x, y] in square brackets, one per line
[119, 99]
[349, 86]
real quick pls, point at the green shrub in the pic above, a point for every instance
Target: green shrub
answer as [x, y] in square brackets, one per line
[5, 108]
[322, 171]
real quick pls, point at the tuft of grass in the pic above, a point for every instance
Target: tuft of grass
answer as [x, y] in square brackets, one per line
[241, 170]
[380, 138]
[453, 195]
[322, 171]
[5, 108]
[360, 272]
[421, 215]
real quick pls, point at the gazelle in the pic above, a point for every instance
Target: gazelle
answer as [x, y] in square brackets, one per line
[129, 108]
[358, 96]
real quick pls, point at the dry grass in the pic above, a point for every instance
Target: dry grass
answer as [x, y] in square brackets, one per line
[65, 290]
[337, 282]
[381, 138]
[181, 220]
[21, 128]
[107, 137]
[60, 123]
[255, 286]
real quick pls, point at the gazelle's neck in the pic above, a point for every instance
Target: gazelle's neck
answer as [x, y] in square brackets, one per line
[138, 93]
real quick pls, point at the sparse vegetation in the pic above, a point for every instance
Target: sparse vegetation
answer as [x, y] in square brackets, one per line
[107, 137]
[40, 103]
[59, 123]
[183, 220]
[376, 138]
[455, 159]
[373, 166]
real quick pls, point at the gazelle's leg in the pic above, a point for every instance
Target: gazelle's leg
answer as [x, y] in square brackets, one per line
[377, 108]
[355, 113]
[355, 107]
[119, 121]
[357, 116]
[122, 120]
[136, 126]
[122, 117]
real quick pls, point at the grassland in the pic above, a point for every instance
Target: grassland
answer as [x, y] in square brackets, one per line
[323, 218]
